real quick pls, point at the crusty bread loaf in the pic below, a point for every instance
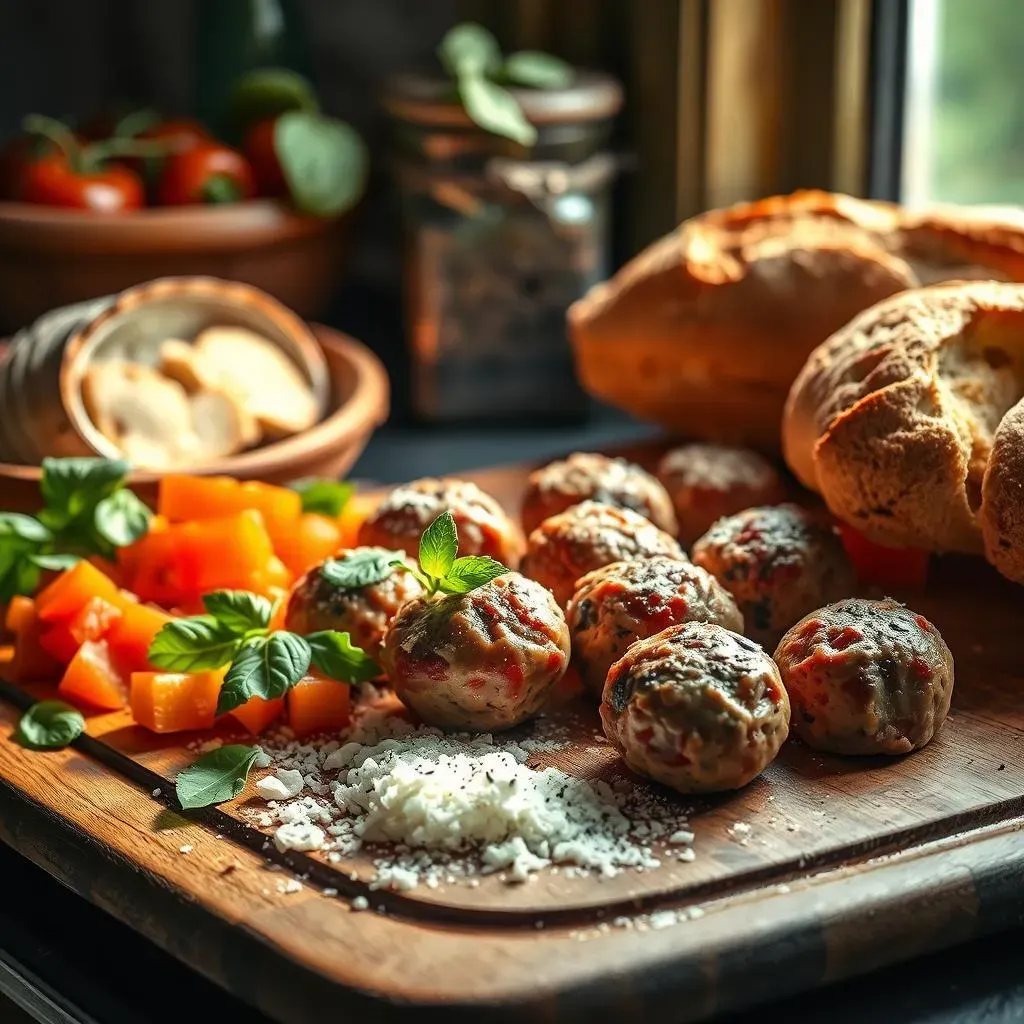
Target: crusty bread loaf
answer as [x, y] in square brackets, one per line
[907, 422]
[705, 330]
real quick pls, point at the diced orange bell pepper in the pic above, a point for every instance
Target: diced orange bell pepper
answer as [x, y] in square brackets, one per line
[175, 701]
[352, 515]
[31, 661]
[93, 621]
[186, 498]
[62, 600]
[312, 539]
[131, 636]
[93, 678]
[318, 705]
[884, 566]
[274, 581]
[257, 713]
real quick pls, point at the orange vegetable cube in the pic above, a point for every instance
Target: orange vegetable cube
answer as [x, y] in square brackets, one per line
[318, 705]
[311, 539]
[257, 713]
[93, 622]
[175, 701]
[275, 580]
[65, 596]
[31, 661]
[352, 515]
[131, 636]
[187, 498]
[148, 568]
[58, 642]
[92, 678]
[216, 554]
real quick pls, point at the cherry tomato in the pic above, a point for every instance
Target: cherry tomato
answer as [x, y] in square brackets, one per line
[262, 153]
[15, 156]
[883, 566]
[206, 173]
[52, 181]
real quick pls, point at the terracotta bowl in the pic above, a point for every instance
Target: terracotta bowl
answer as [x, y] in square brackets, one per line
[51, 257]
[358, 404]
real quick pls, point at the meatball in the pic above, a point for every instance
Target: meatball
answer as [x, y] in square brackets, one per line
[484, 660]
[484, 528]
[866, 677]
[627, 601]
[708, 481]
[586, 477]
[696, 707]
[778, 563]
[589, 536]
[363, 612]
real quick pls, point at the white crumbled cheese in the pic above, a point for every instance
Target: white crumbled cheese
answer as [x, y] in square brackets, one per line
[298, 836]
[157, 791]
[329, 892]
[681, 838]
[282, 785]
[687, 855]
[360, 903]
[397, 878]
[185, 849]
[263, 759]
[289, 886]
[663, 919]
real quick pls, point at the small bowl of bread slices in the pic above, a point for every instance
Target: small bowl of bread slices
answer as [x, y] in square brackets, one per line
[188, 374]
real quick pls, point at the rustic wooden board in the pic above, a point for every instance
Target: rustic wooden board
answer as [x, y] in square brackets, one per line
[849, 864]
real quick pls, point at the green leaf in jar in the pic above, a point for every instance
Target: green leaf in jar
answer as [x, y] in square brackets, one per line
[438, 546]
[469, 49]
[268, 92]
[537, 70]
[50, 725]
[217, 776]
[495, 109]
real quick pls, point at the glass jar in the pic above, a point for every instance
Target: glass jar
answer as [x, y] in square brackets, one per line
[499, 241]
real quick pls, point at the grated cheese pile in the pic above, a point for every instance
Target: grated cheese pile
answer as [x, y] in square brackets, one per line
[437, 808]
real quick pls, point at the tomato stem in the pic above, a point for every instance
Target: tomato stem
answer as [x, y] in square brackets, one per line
[59, 134]
[221, 189]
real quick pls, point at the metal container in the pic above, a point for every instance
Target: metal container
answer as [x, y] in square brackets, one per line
[499, 242]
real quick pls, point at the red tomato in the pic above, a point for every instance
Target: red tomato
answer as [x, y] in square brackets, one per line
[15, 156]
[206, 173]
[52, 181]
[259, 147]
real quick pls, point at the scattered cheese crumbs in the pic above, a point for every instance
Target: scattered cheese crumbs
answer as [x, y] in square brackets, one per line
[298, 836]
[739, 832]
[263, 759]
[330, 892]
[288, 886]
[687, 855]
[360, 903]
[157, 791]
[681, 838]
[282, 785]
[185, 849]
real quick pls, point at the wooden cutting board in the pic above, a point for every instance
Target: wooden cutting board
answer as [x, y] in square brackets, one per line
[846, 865]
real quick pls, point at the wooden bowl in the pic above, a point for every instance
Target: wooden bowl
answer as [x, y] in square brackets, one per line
[51, 257]
[359, 403]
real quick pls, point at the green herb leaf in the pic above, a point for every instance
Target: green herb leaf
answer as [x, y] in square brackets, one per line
[121, 518]
[21, 577]
[537, 70]
[14, 526]
[328, 497]
[495, 109]
[70, 487]
[400, 565]
[54, 562]
[323, 160]
[266, 667]
[268, 92]
[470, 572]
[438, 546]
[469, 49]
[334, 654]
[238, 611]
[196, 644]
[216, 776]
[361, 567]
[50, 725]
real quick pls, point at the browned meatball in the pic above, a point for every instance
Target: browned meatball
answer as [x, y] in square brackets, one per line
[484, 660]
[627, 601]
[484, 528]
[696, 707]
[778, 563]
[363, 612]
[708, 481]
[586, 537]
[866, 677]
[587, 477]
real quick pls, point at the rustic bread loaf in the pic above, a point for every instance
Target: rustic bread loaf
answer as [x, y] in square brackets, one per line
[705, 330]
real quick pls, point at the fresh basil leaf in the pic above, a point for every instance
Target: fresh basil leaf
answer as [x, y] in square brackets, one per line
[267, 667]
[470, 572]
[54, 562]
[238, 611]
[14, 526]
[537, 70]
[361, 567]
[267, 92]
[323, 160]
[71, 486]
[399, 565]
[335, 656]
[495, 109]
[438, 546]
[50, 725]
[121, 518]
[469, 49]
[217, 776]
[195, 644]
[328, 497]
[22, 577]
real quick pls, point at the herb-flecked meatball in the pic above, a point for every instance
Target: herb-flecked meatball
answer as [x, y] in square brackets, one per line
[484, 660]
[588, 477]
[587, 537]
[696, 707]
[319, 601]
[866, 677]
[621, 603]
[778, 563]
[483, 526]
[708, 481]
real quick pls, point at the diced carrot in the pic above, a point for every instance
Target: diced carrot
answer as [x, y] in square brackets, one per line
[311, 539]
[92, 622]
[884, 566]
[187, 498]
[92, 678]
[175, 701]
[148, 568]
[58, 642]
[65, 596]
[257, 713]
[31, 661]
[131, 635]
[318, 705]
[352, 515]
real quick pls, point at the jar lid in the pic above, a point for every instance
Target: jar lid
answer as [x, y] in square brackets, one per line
[429, 100]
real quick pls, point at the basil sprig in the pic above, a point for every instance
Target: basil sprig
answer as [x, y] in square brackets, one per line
[328, 497]
[472, 56]
[216, 776]
[87, 511]
[361, 567]
[440, 571]
[235, 632]
[50, 725]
